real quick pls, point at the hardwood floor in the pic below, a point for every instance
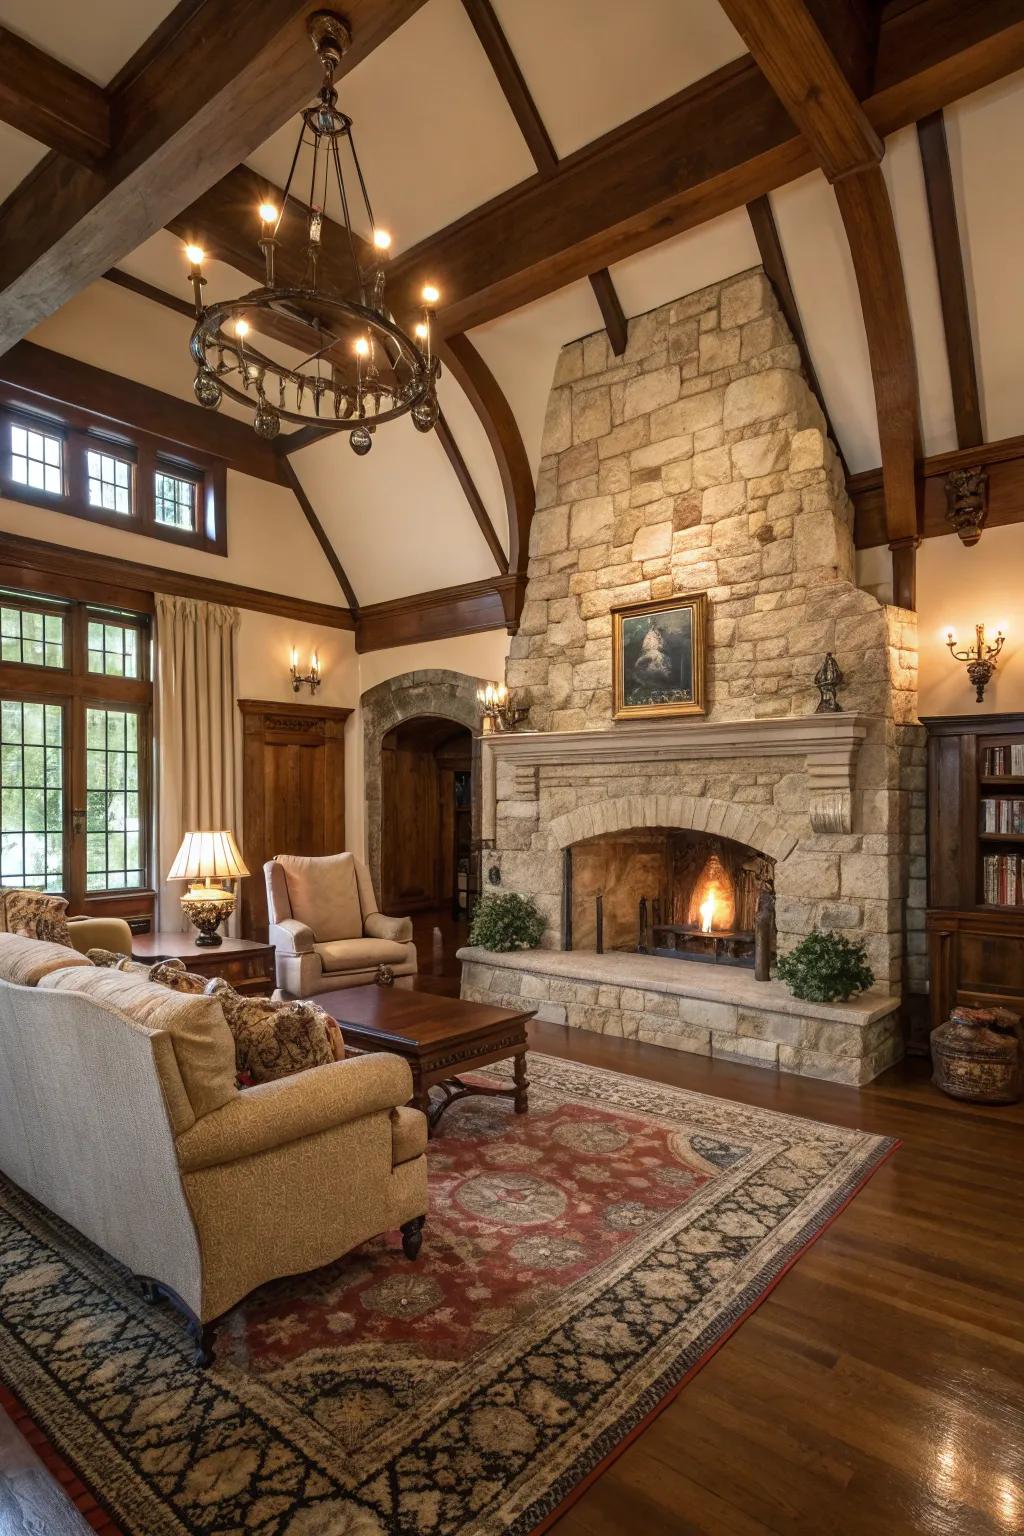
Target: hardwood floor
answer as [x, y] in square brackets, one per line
[878, 1391]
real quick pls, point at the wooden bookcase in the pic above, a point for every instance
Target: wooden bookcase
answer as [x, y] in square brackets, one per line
[976, 947]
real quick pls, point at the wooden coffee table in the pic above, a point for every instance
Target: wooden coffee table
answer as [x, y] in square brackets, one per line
[437, 1036]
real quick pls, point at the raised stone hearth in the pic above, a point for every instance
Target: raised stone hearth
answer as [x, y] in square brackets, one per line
[699, 462]
[707, 1010]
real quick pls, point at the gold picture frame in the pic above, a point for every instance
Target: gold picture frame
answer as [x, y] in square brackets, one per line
[663, 676]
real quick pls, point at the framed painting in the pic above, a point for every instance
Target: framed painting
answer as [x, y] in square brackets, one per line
[658, 658]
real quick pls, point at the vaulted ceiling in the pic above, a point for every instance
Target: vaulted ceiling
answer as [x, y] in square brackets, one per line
[487, 132]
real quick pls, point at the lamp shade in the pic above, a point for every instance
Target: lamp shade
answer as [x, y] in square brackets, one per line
[205, 855]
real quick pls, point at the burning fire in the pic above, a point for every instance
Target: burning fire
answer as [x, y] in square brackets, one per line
[707, 912]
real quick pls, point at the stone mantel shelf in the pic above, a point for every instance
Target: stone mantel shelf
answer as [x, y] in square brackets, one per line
[828, 742]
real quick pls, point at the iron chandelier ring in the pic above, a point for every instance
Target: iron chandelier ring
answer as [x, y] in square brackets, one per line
[208, 332]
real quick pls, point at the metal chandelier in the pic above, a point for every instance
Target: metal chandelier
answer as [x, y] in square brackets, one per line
[362, 369]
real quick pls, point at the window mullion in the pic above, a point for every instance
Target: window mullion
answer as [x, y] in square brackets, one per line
[76, 808]
[75, 444]
[145, 488]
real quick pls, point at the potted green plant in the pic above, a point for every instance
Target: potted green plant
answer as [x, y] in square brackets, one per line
[507, 921]
[826, 968]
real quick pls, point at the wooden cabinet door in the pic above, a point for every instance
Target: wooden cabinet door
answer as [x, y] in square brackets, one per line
[293, 791]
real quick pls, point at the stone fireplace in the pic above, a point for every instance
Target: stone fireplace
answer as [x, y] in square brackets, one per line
[699, 462]
[663, 891]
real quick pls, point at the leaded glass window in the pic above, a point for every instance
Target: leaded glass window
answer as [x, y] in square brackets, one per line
[113, 648]
[175, 501]
[37, 459]
[110, 482]
[31, 636]
[32, 794]
[113, 825]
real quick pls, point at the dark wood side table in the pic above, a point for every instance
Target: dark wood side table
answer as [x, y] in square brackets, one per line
[437, 1036]
[248, 965]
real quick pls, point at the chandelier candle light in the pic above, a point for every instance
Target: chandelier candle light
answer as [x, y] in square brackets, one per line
[206, 859]
[979, 657]
[363, 369]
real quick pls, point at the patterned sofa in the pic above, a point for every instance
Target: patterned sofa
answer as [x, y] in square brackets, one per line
[119, 1110]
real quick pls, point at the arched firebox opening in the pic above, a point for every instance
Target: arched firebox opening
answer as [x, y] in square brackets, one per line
[666, 891]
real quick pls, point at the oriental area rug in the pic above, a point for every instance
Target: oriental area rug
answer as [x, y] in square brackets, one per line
[579, 1263]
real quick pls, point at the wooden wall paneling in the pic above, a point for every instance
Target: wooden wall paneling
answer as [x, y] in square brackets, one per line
[949, 265]
[293, 791]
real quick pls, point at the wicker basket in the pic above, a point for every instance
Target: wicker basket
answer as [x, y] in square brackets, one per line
[979, 1055]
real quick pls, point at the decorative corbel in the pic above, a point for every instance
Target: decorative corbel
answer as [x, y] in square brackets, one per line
[967, 501]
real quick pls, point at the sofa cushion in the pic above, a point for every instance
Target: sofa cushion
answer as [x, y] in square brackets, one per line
[27, 961]
[323, 894]
[276, 1039]
[36, 915]
[203, 1047]
[361, 954]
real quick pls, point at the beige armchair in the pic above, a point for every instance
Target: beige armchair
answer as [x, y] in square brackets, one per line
[326, 927]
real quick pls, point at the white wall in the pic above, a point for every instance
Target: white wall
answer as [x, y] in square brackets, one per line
[961, 587]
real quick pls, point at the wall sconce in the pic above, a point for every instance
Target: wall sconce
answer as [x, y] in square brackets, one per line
[500, 711]
[980, 658]
[312, 677]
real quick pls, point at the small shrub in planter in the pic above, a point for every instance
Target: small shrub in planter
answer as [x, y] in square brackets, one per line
[826, 968]
[507, 922]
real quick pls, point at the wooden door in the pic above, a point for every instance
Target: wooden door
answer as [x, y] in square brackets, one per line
[409, 832]
[293, 791]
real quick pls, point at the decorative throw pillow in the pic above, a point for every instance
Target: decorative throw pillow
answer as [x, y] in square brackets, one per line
[276, 1039]
[33, 915]
[172, 973]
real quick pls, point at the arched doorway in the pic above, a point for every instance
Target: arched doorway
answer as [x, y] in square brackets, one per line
[426, 835]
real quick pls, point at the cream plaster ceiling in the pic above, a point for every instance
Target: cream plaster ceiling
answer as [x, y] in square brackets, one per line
[18, 154]
[592, 64]
[437, 139]
[94, 38]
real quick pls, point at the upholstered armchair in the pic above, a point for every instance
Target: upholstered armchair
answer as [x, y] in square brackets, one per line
[326, 927]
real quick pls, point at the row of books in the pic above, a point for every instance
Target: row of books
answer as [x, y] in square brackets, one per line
[1001, 879]
[1004, 816]
[999, 761]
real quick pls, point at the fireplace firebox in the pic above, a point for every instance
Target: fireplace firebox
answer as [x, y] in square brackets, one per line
[663, 891]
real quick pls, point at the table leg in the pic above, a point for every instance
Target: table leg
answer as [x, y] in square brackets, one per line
[522, 1082]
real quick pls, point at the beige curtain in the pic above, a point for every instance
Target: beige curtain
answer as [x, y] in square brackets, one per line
[198, 741]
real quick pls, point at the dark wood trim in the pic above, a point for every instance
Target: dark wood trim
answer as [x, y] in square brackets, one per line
[291, 442]
[1004, 462]
[611, 310]
[225, 76]
[144, 290]
[463, 610]
[320, 534]
[949, 265]
[32, 564]
[773, 260]
[53, 104]
[294, 711]
[454, 456]
[28, 369]
[510, 77]
[488, 400]
[635, 187]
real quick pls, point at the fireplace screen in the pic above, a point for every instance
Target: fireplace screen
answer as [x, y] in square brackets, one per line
[687, 895]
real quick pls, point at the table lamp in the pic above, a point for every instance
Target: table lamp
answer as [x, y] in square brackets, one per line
[205, 859]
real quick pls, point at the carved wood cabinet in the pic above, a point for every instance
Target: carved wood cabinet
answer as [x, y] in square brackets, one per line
[975, 946]
[293, 791]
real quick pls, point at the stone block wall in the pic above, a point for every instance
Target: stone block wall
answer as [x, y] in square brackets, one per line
[699, 461]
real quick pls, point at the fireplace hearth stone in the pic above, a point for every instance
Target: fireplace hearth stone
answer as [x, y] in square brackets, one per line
[719, 1011]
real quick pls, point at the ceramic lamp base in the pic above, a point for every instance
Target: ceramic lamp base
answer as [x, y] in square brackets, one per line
[206, 908]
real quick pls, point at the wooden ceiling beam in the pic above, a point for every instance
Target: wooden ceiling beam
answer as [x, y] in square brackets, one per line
[488, 400]
[53, 104]
[467, 609]
[798, 63]
[531, 125]
[225, 77]
[949, 265]
[461, 470]
[38, 376]
[718, 145]
[1003, 463]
